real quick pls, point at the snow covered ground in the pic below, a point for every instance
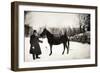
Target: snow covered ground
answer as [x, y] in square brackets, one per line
[77, 51]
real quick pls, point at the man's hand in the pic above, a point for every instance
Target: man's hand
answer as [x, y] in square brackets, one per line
[41, 41]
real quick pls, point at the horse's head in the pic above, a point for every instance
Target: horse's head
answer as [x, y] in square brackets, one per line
[43, 34]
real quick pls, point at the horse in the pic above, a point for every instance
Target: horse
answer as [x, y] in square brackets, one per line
[52, 40]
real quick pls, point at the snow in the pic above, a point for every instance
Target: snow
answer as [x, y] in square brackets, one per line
[77, 51]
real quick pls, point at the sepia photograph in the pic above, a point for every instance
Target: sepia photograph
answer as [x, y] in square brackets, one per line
[55, 36]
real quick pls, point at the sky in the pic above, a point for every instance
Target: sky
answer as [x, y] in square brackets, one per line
[51, 19]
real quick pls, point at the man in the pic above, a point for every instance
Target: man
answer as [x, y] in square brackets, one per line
[35, 47]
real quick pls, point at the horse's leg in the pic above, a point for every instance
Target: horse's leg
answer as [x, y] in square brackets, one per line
[64, 48]
[50, 50]
[67, 46]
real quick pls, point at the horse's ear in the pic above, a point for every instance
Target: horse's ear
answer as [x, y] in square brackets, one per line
[45, 27]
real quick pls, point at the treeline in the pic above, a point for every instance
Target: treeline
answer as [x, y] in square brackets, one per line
[27, 30]
[82, 37]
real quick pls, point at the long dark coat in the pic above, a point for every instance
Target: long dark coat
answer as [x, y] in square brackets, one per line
[34, 42]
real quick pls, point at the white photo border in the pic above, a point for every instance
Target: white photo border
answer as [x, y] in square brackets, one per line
[23, 64]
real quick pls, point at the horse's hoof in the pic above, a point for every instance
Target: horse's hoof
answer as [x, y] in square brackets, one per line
[62, 53]
[49, 54]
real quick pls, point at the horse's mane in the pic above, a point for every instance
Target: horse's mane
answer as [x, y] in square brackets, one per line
[49, 33]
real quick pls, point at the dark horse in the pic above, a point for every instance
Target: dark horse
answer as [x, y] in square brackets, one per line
[52, 40]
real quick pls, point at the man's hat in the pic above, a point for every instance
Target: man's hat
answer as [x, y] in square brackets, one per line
[34, 31]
